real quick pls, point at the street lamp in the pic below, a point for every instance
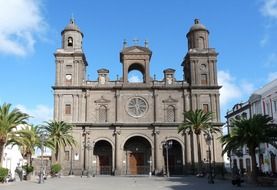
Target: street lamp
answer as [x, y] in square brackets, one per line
[42, 140]
[85, 133]
[167, 145]
[71, 162]
[89, 148]
[208, 139]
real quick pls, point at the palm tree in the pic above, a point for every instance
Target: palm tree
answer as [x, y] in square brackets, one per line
[250, 132]
[196, 122]
[59, 135]
[9, 120]
[27, 139]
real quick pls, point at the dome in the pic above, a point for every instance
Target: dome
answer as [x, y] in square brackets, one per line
[72, 27]
[197, 26]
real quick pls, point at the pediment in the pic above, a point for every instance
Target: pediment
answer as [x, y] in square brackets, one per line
[136, 49]
[102, 100]
[170, 100]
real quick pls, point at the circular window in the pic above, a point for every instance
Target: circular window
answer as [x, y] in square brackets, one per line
[137, 107]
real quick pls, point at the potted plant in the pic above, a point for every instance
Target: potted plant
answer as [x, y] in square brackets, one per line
[28, 170]
[3, 174]
[55, 169]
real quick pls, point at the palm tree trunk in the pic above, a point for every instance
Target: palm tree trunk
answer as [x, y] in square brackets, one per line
[1, 152]
[199, 153]
[254, 165]
[192, 153]
[29, 159]
[56, 153]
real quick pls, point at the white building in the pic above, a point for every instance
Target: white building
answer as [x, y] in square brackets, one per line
[11, 158]
[262, 101]
[241, 156]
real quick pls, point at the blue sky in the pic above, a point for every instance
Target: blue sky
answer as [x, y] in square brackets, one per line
[243, 32]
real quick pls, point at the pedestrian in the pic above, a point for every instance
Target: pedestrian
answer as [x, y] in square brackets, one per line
[236, 175]
[19, 171]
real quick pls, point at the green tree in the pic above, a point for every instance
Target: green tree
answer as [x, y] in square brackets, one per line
[59, 135]
[27, 139]
[196, 122]
[9, 120]
[250, 132]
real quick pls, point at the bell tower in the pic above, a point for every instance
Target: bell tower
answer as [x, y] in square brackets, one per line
[200, 61]
[136, 58]
[200, 71]
[70, 59]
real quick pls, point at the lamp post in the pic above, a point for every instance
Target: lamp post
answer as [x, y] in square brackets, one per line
[71, 162]
[85, 133]
[89, 148]
[42, 140]
[167, 145]
[208, 139]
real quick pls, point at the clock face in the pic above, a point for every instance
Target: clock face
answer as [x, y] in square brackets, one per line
[68, 77]
[203, 67]
[137, 107]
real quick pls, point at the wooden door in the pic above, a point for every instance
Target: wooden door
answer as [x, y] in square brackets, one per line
[104, 163]
[104, 160]
[135, 162]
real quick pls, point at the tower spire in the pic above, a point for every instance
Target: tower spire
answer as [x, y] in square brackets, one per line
[72, 20]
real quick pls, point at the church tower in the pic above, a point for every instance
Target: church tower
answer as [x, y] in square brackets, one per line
[70, 59]
[200, 70]
[200, 61]
[70, 74]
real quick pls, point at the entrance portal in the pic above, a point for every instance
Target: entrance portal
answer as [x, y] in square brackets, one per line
[138, 156]
[103, 153]
[175, 161]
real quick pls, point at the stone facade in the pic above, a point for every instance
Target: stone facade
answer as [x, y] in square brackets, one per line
[120, 126]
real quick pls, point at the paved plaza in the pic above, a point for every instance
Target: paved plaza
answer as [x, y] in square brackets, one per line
[126, 183]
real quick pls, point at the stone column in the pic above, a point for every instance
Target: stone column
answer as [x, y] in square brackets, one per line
[215, 72]
[156, 132]
[217, 107]
[155, 106]
[117, 161]
[56, 106]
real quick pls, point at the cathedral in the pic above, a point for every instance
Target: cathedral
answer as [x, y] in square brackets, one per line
[130, 128]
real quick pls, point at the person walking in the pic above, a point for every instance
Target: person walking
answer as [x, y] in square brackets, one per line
[236, 175]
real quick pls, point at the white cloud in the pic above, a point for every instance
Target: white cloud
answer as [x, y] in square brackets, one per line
[269, 8]
[271, 76]
[247, 87]
[229, 90]
[21, 23]
[39, 114]
[134, 78]
[233, 91]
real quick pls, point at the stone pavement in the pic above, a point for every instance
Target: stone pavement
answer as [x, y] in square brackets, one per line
[127, 183]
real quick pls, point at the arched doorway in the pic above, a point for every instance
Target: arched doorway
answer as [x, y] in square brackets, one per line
[103, 153]
[138, 154]
[175, 158]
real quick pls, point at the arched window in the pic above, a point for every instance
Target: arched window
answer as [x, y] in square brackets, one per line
[70, 42]
[170, 114]
[204, 79]
[200, 41]
[136, 73]
[102, 114]
[135, 76]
